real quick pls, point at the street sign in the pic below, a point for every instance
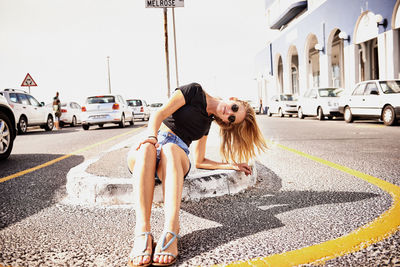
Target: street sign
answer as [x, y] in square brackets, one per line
[28, 81]
[163, 3]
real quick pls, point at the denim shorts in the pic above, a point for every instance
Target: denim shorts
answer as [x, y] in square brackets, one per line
[165, 138]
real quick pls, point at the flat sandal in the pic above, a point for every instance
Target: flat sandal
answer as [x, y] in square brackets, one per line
[164, 247]
[143, 252]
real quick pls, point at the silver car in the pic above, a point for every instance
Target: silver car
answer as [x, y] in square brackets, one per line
[7, 128]
[102, 109]
[319, 102]
[376, 99]
[283, 104]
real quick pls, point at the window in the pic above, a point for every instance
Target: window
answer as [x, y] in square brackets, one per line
[390, 87]
[33, 101]
[371, 87]
[14, 98]
[101, 99]
[359, 90]
[134, 103]
[23, 99]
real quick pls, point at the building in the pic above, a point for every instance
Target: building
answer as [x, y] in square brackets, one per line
[335, 43]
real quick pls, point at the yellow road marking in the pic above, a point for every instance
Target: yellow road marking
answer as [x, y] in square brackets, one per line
[380, 228]
[48, 163]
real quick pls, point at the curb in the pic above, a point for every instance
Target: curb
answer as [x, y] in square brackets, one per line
[85, 188]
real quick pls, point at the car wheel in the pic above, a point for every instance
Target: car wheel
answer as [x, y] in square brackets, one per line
[132, 122]
[348, 116]
[49, 124]
[22, 125]
[101, 125]
[300, 113]
[389, 116]
[73, 123]
[85, 127]
[320, 114]
[280, 113]
[122, 123]
[269, 114]
[6, 138]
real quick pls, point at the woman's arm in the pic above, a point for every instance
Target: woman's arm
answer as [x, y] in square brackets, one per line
[203, 163]
[176, 101]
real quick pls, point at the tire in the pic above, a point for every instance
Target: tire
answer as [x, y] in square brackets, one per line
[300, 114]
[101, 125]
[85, 127]
[320, 114]
[122, 123]
[280, 113]
[269, 114]
[389, 116]
[73, 123]
[6, 138]
[22, 125]
[49, 124]
[348, 116]
[132, 122]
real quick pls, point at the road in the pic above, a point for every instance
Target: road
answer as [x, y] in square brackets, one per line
[299, 200]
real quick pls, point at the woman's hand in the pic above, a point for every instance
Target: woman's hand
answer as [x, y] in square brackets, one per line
[149, 139]
[242, 167]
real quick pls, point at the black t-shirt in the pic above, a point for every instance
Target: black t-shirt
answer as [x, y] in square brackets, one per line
[191, 121]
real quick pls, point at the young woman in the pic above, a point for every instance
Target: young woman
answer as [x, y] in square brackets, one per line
[164, 154]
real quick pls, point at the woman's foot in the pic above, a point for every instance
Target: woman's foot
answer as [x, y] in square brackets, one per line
[166, 250]
[142, 250]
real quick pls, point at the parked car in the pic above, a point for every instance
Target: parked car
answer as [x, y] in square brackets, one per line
[283, 104]
[28, 111]
[102, 109]
[375, 99]
[71, 113]
[319, 102]
[8, 129]
[154, 107]
[255, 107]
[140, 109]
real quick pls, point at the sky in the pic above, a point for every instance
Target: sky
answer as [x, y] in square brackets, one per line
[64, 45]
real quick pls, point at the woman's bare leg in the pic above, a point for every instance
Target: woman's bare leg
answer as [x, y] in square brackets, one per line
[174, 163]
[143, 165]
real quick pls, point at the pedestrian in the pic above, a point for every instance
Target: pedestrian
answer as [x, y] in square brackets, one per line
[163, 154]
[57, 111]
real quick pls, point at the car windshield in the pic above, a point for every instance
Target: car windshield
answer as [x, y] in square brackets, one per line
[329, 92]
[100, 99]
[390, 87]
[287, 98]
[156, 105]
[134, 103]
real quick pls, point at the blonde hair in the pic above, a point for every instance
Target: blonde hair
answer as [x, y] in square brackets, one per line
[241, 141]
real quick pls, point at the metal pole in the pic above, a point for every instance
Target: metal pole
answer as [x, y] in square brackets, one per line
[109, 78]
[166, 49]
[176, 57]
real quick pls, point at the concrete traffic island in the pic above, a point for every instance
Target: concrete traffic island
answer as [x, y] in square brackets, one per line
[87, 188]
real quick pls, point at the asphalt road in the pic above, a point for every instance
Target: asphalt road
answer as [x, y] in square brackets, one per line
[296, 203]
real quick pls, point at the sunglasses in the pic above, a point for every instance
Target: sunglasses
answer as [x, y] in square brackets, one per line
[232, 118]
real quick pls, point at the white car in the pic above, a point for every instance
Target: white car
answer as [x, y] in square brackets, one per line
[283, 104]
[319, 102]
[102, 109]
[154, 107]
[376, 99]
[70, 114]
[140, 109]
[28, 111]
[7, 128]
[255, 107]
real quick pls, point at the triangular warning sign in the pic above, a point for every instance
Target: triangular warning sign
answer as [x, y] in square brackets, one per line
[28, 81]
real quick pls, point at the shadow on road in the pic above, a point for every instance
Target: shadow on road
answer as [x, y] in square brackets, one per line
[251, 212]
[30, 193]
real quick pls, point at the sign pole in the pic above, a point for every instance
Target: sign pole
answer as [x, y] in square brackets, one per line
[166, 48]
[176, 57]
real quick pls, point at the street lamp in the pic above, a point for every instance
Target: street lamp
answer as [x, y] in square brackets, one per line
[344, 36]
[109, 79]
